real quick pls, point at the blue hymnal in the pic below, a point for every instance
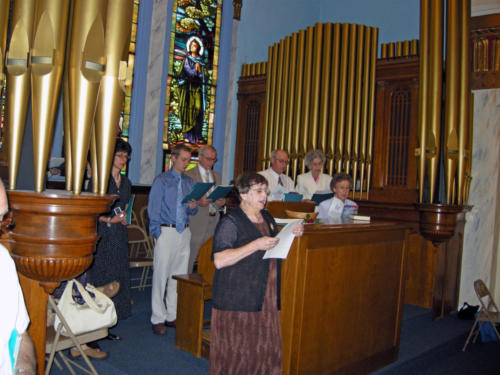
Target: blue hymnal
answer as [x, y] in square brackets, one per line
[318, 198]
[293, 197]
[220, 191]
[199, 190]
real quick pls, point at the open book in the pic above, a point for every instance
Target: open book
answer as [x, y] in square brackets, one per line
[199, 190]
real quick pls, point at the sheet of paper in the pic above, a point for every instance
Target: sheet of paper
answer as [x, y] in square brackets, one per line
[286, 238]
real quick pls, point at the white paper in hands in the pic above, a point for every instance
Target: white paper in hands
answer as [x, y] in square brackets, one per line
[286, 237]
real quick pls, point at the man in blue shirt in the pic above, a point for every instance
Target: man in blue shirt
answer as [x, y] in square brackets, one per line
[169, 224]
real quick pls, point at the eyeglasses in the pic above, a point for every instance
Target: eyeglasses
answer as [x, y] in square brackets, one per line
[260, 191]
[209, 159]
[122, 156]
[286, 161]
[7, 222]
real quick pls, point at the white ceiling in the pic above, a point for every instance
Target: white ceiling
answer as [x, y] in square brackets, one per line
[483, 7]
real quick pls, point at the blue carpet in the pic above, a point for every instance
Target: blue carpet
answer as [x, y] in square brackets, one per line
[426, 347]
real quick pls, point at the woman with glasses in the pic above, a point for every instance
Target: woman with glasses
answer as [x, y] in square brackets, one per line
[111, 259]
[314, 180]
[339, 205]
[245, 329]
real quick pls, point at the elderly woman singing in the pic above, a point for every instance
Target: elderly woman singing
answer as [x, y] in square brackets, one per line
[246, 332]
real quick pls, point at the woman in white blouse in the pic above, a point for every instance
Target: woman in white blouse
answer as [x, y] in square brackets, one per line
[314, 180]
[335, 207]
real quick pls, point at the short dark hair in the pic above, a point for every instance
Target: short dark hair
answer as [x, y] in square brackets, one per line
[122, 146]
[246, 180]
[339, 177]
[176, 151]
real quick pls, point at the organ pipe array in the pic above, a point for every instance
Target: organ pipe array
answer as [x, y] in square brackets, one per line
[320, 95]
[455, 147]
[90, 64]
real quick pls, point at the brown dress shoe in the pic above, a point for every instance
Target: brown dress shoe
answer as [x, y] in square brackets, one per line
[170, 324]
[159, 329]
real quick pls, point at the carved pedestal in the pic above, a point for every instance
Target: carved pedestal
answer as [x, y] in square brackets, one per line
[53, 240]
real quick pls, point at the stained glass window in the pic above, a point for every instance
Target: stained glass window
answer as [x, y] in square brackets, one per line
[192, 73]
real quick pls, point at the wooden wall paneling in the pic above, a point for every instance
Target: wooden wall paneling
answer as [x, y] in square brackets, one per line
[394, 162]
[251, 102]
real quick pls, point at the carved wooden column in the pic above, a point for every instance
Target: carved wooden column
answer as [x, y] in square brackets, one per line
[53, 240]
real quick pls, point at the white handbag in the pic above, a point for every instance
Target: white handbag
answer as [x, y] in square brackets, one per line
[95, 313]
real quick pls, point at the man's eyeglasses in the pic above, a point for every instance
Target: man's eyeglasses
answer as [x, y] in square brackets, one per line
[209, 159]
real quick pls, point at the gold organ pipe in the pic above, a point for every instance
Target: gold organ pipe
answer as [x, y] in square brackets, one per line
[315, 89]
[281, 94]
[333, 120]
[464, 124]
[339, 149]
[94, 168]
[112, 91]
[18, 78]
[87, 64]
[414, 47]
[325, 78]
[290, 99]
[399, 49]
[306, 103]
[391, 49]
[298, 99]
[66, 117]
[4, 18]
[423, 93]
[451, 97]
[360, 45]
[468, 166]
[371, 109]
[406, 48]
[435, 91]
[47, 62]
[277, 92]
[351, 70]
[364, 111]
[383, 52]
[268, 110]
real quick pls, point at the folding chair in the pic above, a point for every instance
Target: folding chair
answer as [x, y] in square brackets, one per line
[56, 343]
[487, 313]
[141, 254]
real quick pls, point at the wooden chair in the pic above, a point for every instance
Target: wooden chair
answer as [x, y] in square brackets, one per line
[193, 291]
[487, 313]
[277, 208]
[141, 254]
[56, 343]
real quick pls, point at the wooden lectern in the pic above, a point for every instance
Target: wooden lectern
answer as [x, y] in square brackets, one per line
[342, 299]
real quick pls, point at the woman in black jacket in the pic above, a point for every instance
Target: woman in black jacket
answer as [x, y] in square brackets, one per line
[245, 329]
